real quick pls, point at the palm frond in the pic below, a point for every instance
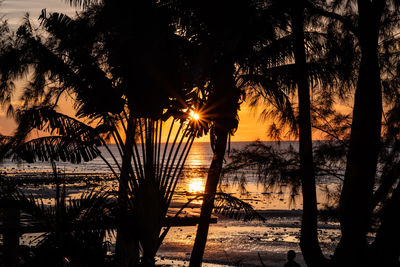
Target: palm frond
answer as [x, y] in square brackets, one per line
[47, 119]
[233, 207]
[70, 140]
[91, 207]
[36, 208]
[54, 148]
[88, 211]
[75, 230]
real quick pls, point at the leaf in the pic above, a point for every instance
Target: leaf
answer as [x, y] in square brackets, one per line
[54, 148]
[46, 119]
[235, 208]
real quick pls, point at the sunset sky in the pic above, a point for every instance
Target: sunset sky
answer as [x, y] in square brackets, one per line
[251, 127]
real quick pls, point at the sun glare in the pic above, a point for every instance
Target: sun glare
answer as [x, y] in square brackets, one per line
[194, 115]
[195, 186]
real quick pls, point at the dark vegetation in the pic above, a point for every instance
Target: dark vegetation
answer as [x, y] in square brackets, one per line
[135, 74]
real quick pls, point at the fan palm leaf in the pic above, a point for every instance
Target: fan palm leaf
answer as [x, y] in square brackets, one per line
[69, 224]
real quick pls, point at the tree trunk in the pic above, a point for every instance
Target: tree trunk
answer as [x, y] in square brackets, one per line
[224, 102]
[148, 205]
[357, 193]
[148, 209]
[309, 236]
[386, 247]
[127, 244]
[208, 201]
[11, 216]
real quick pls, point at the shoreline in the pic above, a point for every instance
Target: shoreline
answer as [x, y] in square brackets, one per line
[242, 241]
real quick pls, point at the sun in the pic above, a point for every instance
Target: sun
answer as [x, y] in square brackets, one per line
[195, 116]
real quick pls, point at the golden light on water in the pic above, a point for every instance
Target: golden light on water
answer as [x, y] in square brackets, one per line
[195, 185]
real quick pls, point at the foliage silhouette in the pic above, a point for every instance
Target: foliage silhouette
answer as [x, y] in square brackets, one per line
[69, 234]
[368, 28]
[77, 58]
[276, 167]
[68, 63]
[281, 68]
[223, 38]
[171, 47]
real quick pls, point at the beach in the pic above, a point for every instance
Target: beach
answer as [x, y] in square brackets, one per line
[230, 242]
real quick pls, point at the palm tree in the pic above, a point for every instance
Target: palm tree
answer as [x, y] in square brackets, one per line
[222, 37]
[218, 47]
[97, 70]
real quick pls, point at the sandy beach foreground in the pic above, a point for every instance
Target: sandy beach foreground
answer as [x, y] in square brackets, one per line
[230, 242]
[237, 243]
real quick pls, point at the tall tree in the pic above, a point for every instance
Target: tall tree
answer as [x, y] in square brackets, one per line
[363, 25]
[309, 236]
[367, 25]
[366, 129]
[223, 32]
[220, 43]
[285, 67]
[105, 62]
[370, 55]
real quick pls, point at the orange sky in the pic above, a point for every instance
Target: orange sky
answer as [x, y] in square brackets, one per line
[251, 127]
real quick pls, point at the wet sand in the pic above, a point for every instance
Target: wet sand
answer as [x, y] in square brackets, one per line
[230, 242]
[233, 242]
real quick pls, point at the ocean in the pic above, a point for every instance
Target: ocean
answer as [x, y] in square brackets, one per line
[199, 157]
[192, 179]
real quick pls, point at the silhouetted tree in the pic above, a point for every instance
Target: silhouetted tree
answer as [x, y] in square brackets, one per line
[113, 67]
[285, 67]
[280, 166]
[338, 40]
[366, 128]
[368, 22]
[223, 31]
[101, 64]
[309, 236]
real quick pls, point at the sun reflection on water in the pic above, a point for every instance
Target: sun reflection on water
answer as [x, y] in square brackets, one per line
[200, 156]
[195, 185]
